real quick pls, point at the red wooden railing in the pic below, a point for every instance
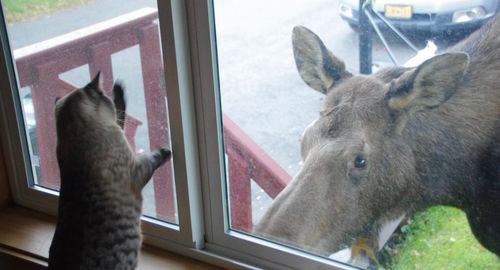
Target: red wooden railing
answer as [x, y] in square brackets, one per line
[247, 161]
[40, 65]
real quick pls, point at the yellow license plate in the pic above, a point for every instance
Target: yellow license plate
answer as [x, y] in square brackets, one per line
[398, 12]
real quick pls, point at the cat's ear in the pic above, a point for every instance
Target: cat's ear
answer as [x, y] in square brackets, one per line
[120, 103]
[96, 83]
[94, 88]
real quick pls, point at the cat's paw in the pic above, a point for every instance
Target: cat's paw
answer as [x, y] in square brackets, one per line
[165, 153]
[160, 156]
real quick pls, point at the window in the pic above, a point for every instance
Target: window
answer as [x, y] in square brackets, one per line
[121, 44]
[218, 81]
[50, 55]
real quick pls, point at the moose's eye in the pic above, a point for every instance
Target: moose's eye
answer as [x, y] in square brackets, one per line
[360, 162]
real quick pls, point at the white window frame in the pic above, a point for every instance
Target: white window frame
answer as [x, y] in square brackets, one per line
[189, 48]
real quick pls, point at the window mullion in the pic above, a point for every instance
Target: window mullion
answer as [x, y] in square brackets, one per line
[175, 47]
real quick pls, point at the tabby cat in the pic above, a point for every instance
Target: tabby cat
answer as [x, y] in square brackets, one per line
[100, 199]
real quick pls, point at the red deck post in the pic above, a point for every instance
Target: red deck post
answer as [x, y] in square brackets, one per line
[43, 96]
[100, 61]
[156, 108]
[240, 197]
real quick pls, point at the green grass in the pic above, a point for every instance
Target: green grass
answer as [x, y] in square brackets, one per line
[20, 10]
[440, 238]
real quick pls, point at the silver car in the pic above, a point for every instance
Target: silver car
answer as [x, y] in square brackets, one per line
[436, 17]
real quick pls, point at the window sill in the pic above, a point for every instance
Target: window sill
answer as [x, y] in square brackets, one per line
[26, 236]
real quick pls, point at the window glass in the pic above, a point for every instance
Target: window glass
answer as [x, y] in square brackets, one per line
[304, 167]
[57, 47]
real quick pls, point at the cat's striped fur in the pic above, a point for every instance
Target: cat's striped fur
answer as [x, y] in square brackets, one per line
[100, 199]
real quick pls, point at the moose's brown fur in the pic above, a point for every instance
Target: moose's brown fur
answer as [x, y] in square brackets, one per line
[400, 140]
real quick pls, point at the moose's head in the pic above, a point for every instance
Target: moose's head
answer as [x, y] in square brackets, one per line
[358, 163]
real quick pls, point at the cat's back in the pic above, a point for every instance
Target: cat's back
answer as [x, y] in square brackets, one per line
[99, 212]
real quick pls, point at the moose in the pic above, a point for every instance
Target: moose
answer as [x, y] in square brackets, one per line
[397, 141]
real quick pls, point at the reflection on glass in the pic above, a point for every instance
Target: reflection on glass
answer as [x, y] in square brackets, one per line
[59, 49]
[365, 153]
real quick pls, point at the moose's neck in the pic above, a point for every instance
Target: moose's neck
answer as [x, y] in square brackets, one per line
[451, 145]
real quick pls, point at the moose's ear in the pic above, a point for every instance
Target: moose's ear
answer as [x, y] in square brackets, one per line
[430, 84]
[317, 66]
